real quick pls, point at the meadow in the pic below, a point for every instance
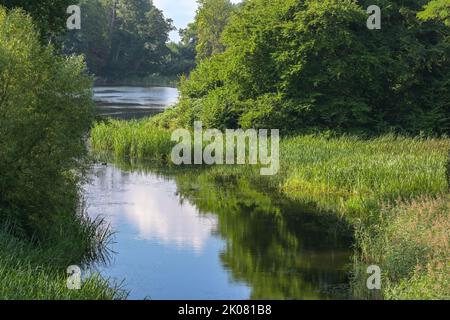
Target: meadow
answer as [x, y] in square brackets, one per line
[393, 190]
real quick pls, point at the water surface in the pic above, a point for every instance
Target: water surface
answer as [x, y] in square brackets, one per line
[191, 234]
[185, 235]
[133, 102]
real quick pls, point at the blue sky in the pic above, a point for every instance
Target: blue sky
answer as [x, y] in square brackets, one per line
[181, 12]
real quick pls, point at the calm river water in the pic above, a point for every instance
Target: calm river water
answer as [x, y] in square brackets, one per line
[182, 234]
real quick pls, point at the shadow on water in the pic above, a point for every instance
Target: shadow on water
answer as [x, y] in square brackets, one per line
[266, 246]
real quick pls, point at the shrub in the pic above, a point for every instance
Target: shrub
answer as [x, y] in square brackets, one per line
[46, 109]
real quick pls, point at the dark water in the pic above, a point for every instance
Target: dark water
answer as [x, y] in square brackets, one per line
[133, 102]
[189, 234]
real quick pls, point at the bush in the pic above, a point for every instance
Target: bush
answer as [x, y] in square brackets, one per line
[46, 110]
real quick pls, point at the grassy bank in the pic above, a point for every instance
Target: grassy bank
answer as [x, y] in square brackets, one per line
[36, 270]
[393, 190]
[29, 272]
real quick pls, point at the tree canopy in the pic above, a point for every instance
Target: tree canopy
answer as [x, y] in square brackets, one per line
[302, 65]
[121, 38]
[46, 109]
[49, 15]
[210, 21]
[436, 9]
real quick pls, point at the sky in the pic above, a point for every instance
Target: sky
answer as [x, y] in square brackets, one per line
[182, 12]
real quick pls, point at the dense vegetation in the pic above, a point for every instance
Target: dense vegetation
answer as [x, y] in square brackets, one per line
[48, 15]
[121, 38]
[313, 66]
[46, 111]
[302, 65]
[129, 39]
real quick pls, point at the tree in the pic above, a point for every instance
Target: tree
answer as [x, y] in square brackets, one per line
[139, 39]
[436, 9]
[181, 59]
[211, 19]
[46, 110]
[94, 39]
[121, 38]
[49, 15]
[302, 65]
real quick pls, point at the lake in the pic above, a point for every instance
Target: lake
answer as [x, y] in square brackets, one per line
[186, 234]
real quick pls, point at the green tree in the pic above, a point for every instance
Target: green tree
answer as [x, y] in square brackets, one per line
[181, 59]
[139, 39]
[436, 9]
[121, 38]
[211, 19]
[302, 65]
[46, 110]
[49, 15]
[94, 39]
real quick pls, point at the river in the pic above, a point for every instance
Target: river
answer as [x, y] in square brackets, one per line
[182, 234]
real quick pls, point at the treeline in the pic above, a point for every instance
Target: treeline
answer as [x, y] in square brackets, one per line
[314, 65]
[123, 39]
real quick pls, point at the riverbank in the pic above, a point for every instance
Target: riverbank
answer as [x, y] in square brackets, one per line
[392, 190]
[37, 271]
[29, 272]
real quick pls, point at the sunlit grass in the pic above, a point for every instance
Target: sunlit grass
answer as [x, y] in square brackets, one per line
[354, 176]
[412, 248]
[132, 139]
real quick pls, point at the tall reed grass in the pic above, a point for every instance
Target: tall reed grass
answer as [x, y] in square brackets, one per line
[134, 139]
[29, 272]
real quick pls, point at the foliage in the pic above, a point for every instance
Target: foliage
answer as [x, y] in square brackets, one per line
[45, 110]
[210, 21]
[181, 59]
[121, 38]
[93, 40]
[38, 273]
[413, 248]
[49, 15]
[297, 65]
[436, 9]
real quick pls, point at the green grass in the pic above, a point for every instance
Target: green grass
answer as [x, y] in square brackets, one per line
[354, 176]
[377, 185]
[31, 269]
[28, 271]
[413, 248]
[132, 139]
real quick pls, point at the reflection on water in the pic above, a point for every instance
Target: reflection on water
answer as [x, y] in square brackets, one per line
[188, 235]
[133, 102]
